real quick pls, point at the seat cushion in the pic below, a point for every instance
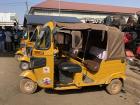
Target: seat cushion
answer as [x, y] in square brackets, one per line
[92, 65]
[70, 67]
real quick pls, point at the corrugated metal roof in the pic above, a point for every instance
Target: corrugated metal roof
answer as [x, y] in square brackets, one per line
[41, 20]
[53, 4]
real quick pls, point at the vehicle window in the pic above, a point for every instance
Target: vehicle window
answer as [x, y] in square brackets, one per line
[76, 39]
[44, 39]
[30, 35]
[33, 37]
[59, 38]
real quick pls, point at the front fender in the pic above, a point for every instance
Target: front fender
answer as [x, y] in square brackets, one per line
[28, 74]
[25, 59]
[19, 52]
[116, 76]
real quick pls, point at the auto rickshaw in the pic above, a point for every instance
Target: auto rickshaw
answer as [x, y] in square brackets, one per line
[25, 59]
[23, 42]
[27, 41]
[88, 55]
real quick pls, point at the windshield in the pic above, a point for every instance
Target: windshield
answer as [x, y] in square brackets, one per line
[34, 36]
[43, 41]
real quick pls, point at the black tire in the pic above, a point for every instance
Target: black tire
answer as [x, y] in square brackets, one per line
[114, 87]
[27, 86]
[24, 65]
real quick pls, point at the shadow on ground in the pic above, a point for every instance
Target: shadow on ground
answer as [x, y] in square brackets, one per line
[7, 54]
[135, 69]
[75, 91]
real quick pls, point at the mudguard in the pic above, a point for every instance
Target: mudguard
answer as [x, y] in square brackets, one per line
[116, 76]
[28, 74]
[25, 59]
[19, 52]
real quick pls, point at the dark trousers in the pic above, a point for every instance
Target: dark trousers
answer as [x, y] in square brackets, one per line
[8, 46]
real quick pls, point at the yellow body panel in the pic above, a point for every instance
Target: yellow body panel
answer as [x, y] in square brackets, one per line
[29, 44]
[19, 52]
[24, 58]
[108, 71]
[28, 74]
[40, 73]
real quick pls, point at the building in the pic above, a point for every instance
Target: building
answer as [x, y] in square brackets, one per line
[83, 11]
[8, 19]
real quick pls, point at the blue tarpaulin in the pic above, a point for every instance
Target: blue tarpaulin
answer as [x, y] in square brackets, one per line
[41, 20]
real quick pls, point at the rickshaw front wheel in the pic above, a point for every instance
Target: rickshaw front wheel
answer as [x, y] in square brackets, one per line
[114, 87]
[27, 86]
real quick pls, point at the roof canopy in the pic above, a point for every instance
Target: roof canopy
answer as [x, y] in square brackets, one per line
[84, 26]
[115, 43]
[41, 20]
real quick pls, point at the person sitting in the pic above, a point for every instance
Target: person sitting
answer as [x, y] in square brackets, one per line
[98, 52]
[93, 64]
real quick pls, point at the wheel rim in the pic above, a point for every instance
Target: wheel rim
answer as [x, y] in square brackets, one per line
[116, 87]
[24, 66]
[29, 86]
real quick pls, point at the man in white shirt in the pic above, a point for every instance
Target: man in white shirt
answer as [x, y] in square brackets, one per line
[98, 52]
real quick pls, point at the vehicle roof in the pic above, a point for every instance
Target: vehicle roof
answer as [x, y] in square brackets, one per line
[41, 20]
[85, 26]
[115, 43]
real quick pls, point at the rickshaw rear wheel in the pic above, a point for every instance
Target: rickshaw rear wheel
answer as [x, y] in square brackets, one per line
[27, 86]
[114, 87]
[24, 65]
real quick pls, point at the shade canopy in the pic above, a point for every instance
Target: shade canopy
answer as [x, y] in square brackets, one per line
[115, 43]
[41, 20]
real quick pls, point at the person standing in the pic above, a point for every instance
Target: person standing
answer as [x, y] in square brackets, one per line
[2, 41]
[8, 40]
[15, 40]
